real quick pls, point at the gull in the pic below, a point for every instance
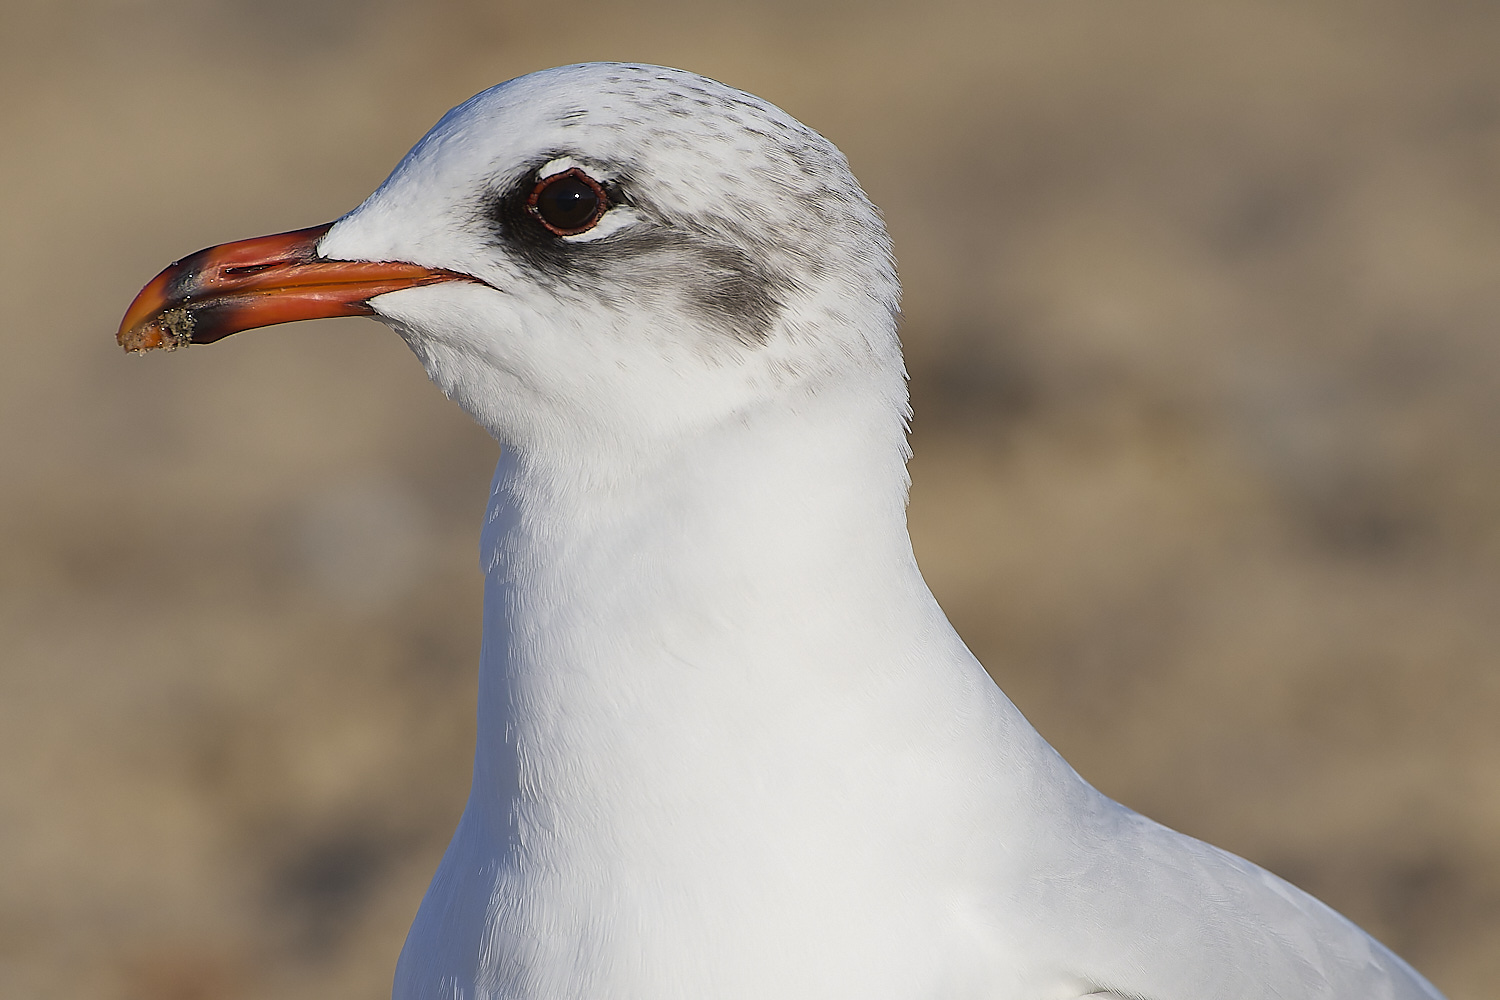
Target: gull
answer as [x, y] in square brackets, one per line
[729, 746]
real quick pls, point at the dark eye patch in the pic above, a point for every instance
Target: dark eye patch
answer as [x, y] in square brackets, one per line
[654, 258]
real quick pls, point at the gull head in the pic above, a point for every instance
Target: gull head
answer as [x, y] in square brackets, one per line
[607, 253]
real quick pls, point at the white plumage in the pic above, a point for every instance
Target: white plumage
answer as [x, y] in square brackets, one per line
[729, 746]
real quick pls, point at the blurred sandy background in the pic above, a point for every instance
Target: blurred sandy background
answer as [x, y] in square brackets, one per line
[1202, 300]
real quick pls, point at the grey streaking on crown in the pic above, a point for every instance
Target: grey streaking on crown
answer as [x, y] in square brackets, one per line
[736, 260]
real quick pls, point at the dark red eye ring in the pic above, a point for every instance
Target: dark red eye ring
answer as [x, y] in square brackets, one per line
[556, 200]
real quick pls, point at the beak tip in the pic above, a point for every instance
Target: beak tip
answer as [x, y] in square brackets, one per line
[164, 331]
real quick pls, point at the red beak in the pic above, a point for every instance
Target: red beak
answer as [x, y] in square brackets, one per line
[259, 282]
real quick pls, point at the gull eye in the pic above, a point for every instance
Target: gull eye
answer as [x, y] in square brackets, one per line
[568, 203]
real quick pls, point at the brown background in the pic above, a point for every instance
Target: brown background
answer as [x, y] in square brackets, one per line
[1201, 316]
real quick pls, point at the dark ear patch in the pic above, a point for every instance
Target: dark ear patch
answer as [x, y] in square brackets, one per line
[730, 290]
[703, 273]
